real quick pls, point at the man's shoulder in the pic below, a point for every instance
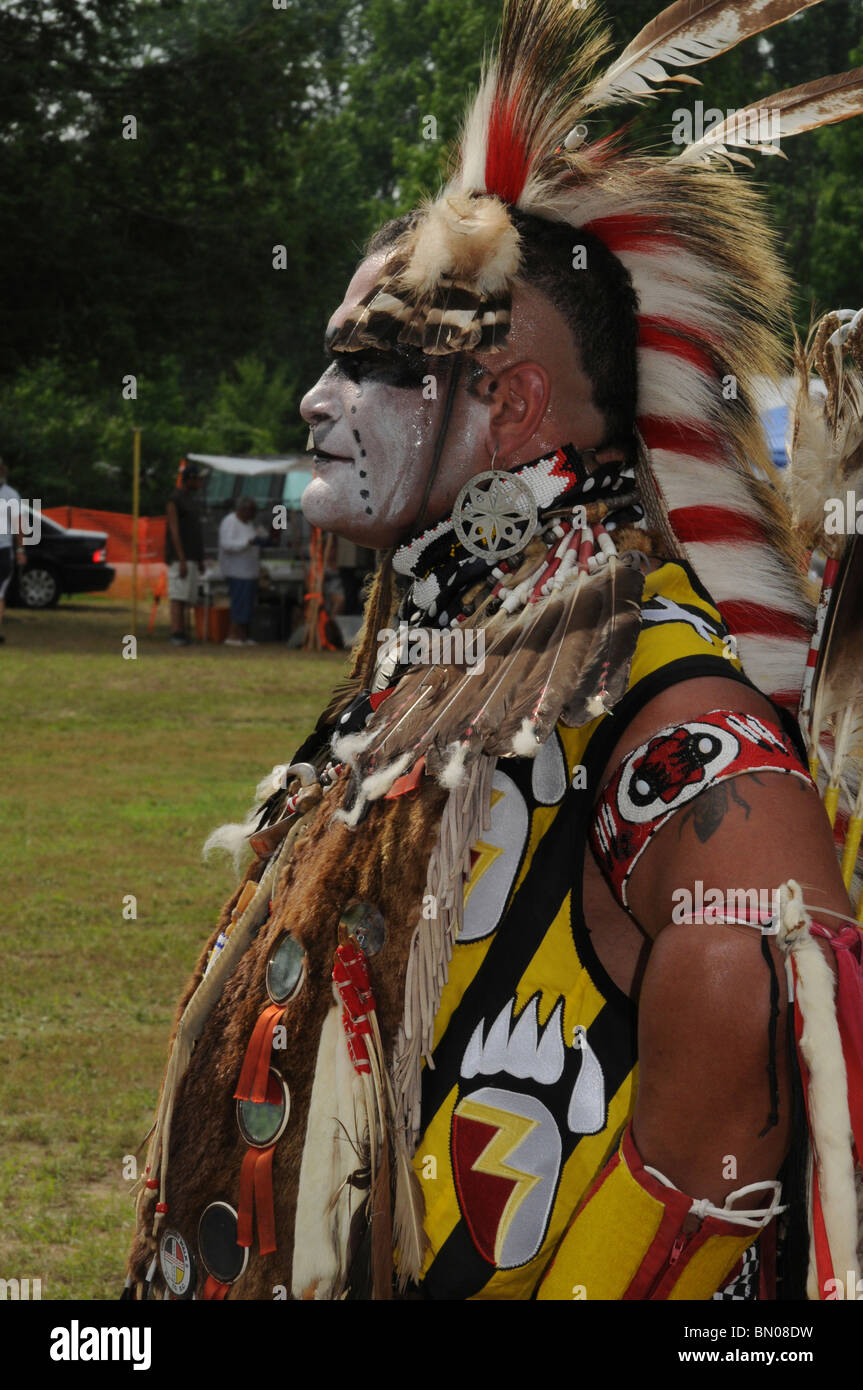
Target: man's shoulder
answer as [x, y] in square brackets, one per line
[685, 663]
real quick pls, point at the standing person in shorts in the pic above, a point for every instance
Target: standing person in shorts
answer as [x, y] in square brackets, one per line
[240, 563]
[10, 540]
[184, 549]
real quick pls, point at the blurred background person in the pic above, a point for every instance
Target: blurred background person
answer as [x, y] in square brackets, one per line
[10, 539]
[240, 563]
[184, 549]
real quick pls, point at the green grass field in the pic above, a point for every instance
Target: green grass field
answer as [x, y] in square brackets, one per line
[114, 772]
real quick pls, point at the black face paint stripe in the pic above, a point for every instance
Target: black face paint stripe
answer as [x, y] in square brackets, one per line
[455, 375]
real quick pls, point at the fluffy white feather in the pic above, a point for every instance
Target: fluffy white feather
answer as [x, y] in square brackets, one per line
[326, 1200]
[233, 839]
[453, 773]
[675, 389]
[687, 481]
[747, 572]
[830, 1121]
[471, 240]
[524, 745]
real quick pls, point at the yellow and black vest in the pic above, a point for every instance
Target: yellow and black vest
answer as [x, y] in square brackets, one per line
[535, 1068]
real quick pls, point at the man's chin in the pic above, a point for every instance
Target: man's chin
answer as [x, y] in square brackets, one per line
[321, 508]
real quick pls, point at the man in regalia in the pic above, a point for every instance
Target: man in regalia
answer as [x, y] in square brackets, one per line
[502, 1008]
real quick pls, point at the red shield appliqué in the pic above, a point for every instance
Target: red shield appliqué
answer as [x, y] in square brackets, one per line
[506, 1152]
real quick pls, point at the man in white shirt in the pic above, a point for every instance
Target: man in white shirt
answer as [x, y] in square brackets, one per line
[10, 539]
[240, 563]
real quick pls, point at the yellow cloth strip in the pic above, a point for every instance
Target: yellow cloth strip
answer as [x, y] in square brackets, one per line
[853, 835]
[605, 1246]
[611, 1237]
[710, 1266]
[814, 765]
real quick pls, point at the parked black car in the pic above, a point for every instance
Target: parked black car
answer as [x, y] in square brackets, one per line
[64, 561]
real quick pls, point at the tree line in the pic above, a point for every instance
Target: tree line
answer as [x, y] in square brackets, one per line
[154, 152]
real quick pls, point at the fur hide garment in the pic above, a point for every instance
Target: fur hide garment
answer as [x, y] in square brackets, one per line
[330, 867]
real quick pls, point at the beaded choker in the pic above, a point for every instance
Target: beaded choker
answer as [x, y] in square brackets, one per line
[442, 570]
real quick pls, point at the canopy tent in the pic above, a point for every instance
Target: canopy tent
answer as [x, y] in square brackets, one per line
[256, 475]
[251, 467]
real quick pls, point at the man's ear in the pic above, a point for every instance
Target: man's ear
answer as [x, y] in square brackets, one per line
[518, 397]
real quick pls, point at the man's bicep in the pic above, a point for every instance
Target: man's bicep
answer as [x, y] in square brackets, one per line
[713, 1107]
[728, 850]
[713, 1110]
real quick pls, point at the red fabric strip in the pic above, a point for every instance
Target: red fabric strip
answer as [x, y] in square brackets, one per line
[680, 437]
[379, 696]
[744, 617]
[631, 232]
[693, 332]
[767, 1264]
[788, 699]
[650, 335]
[715, 525]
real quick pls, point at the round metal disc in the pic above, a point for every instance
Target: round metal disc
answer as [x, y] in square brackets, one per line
[261, 1122]
[285, 968]
[494, 515]
[177, 1264]
[364, 924]
[217, 1243]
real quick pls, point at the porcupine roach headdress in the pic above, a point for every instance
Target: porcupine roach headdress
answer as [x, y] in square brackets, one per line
[709, 294]
[692, 236]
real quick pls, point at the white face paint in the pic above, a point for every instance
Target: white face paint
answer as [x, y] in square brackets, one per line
[376, 418]
[374, 441]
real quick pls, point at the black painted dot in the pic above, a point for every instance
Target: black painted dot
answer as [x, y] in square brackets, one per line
[353, 410]
[362, 451]
[357, 436]
[364, 492]
[362, 472]
[368, 511]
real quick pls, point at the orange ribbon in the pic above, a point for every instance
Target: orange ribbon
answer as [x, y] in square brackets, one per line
[214, 1288]
[256, 1198]
[252, 1084]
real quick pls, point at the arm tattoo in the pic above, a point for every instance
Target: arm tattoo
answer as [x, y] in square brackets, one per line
[709, 810]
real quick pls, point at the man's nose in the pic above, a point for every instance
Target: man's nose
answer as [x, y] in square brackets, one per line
[319, 403]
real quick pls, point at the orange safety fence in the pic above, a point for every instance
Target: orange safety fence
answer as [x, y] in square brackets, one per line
[118, 527]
